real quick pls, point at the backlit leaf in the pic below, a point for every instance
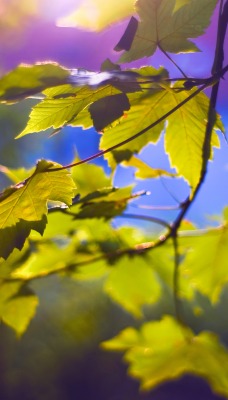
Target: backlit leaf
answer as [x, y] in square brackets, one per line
[15, 175]
[185, 134]
[180, 3]
[132, 284]
[144, 170]
[47, 258]
[168, 25]
[17, 306]
[104, 203]
[166, 350]
[59, 111]
[27, 201]
[146, 107]
[89, 177]
[13, 237]
[26, 80]
[205, 264]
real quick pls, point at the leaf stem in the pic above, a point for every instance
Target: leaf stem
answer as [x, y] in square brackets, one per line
[173, 62]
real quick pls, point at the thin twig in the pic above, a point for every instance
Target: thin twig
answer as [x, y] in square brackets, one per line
[169, 191]
[155, 220]
[173, 62]
[154, 208]
[140, 248]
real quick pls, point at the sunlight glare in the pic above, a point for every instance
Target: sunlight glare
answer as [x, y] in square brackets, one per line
[53, 9]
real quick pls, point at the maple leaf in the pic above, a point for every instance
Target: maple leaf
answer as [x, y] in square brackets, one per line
[27, 202]
[168, 26]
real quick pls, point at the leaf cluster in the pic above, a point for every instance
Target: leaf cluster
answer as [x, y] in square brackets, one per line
[61, 219]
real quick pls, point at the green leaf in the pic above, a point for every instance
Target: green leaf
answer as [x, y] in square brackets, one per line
[46, 259]
[185, 134]
[146, 107]
[205, 263]
[26, 80]
[103, 14]
[58, 111]
[166, 350]
[13, 237]
[89, 177]
[17, 306]
[168, 25]
[104, 203]
[78, 249]
[108, 65]
[15, 175]
[106, 110]
[144, 170]
[27, 201]
[180, 3]
[132, 284]
[161, 260]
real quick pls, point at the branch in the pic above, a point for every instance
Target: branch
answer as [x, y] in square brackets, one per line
[206, 151]
[176, 278]
[191, 83]
[140, 248]
[146, 218]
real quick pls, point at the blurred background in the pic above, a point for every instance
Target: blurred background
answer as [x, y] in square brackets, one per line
[59, 356]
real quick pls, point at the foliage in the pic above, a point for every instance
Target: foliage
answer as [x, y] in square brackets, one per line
[61, 219]
[164, 350]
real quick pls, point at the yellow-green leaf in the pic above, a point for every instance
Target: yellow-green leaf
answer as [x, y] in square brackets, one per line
[146, 107]
[168, 25]
[17, 305]
[90, 177]
[27, 202]
[166, 350]
[26, 80]
[180, 3]
[185, 135]
[144, 170]
[104, 203]
[14, 236]
[15, 175]
[205, 264]
[132, 284]
[57, 111]
[47, 258]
